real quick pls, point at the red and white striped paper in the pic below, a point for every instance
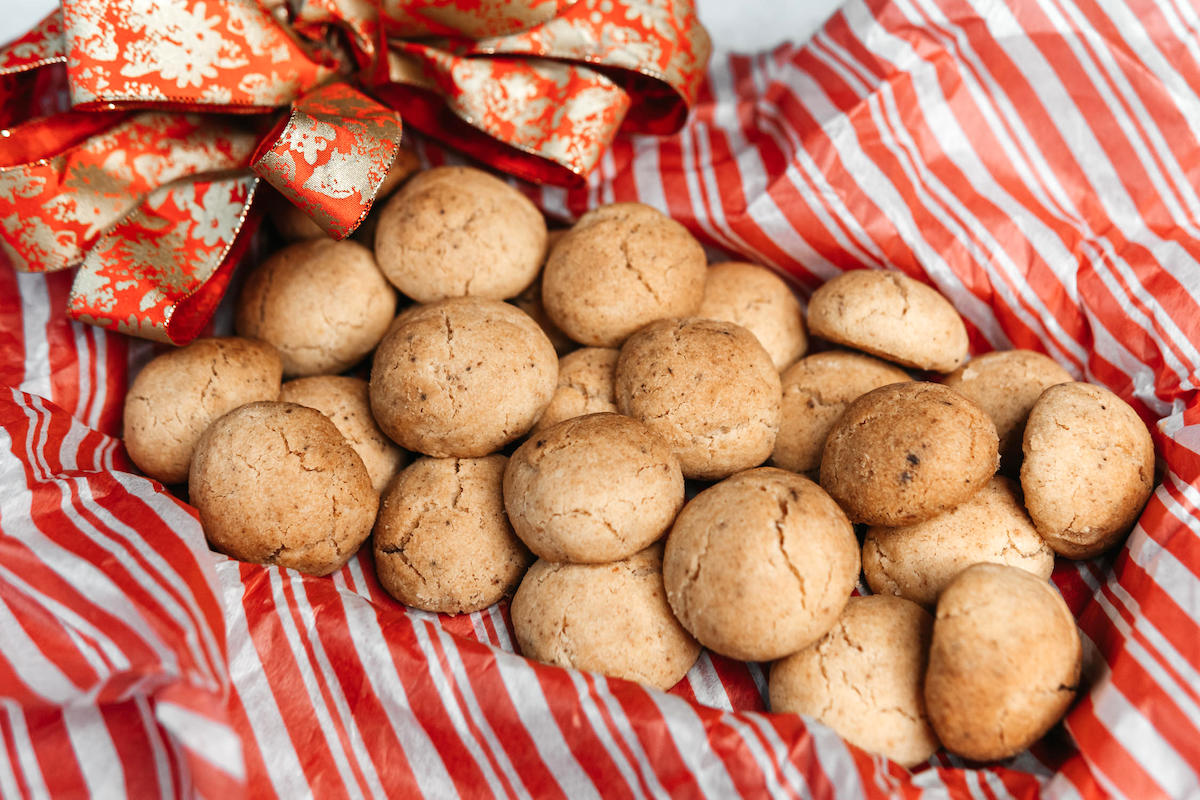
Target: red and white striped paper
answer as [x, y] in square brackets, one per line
[1035, 160]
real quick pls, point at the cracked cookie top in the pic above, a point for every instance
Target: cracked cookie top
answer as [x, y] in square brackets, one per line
[760, 565]
[890, 315]
[706, 386]
[276, 483]
[459, 232]
[323, 304]
[442, 541]
[461, 377]
[863, 679]
[620, 267]
[586, 385]
[592, 489]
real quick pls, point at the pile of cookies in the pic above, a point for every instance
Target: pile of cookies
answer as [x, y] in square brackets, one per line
[565, 394]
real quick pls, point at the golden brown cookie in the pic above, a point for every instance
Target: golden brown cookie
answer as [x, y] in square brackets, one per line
[1004, 663]
[892, 316]
[461, 377]
[864, 679]
[757, 299]
[760, 565]
[323, 304]
[1006, 384]
[917, 561]
[707, 387]
[406, 164]
[179, 394]
[347, 404]
[586, 385]
[276, 483]
[1088, 469]
[592, 489]
[907, 452]
[442, 541]
[457, 232]
[620, 267]
[816, 391]
[607, 618]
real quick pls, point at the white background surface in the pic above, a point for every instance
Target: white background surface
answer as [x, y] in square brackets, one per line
[741, 25]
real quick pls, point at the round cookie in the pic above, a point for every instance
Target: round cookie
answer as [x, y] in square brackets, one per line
[816, 391]
[276, 483]
[1088, 469]
[592, 489]
[917, 561]
[760, 565]
[442, 542]
[620, 267]
[323, 304]
[706, 386]
[864, 677]
[1006, 384]
[1004, 663]
[347, 404]
[757, 299]
[606, 618]
[892, 316]
[586, 385]
[456, 232]
[461, 377]
[907, 452]
[179, 394]
[405, 164]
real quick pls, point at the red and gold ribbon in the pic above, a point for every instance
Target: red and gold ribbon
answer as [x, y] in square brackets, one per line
[117, 172]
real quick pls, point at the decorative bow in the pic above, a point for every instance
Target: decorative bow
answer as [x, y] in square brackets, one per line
[107, 163]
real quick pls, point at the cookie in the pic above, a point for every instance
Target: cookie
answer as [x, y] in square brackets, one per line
[620, 267]
[864, 679]
[586, 385]
[707, 387]
[1006, 384]
[760, 565]
[461, 377]
[276, 483]
[1004, 662]
[406, 164]
[757, 299]
[442, 541]
[917, 561]
[892, 316]
[347, 404]
[323, 304]
[457, 232]
[907, 452]
[592, 489]
[1088, 469]
[816, 391]
[179, 394]
[606, 618]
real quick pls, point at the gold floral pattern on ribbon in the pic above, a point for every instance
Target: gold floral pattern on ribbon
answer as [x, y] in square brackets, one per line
[53, 210]
[43, 44]
[217, 53]
[337, 144]
[145, 269]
